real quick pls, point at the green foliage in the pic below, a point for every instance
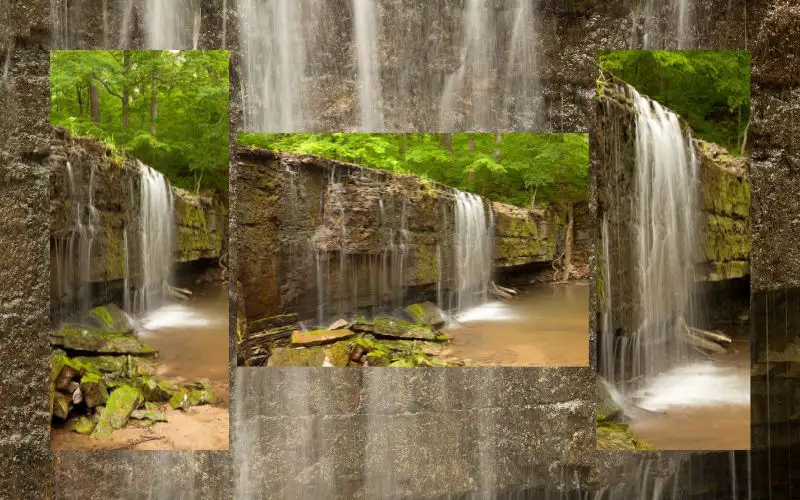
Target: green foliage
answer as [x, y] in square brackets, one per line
[514, 168]
[711, 90]
[187, 136]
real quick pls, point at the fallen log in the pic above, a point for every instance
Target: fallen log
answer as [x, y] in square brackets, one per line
[702, 343]
[499, 292]
[179, 293]
[504, 289]
[718, 337]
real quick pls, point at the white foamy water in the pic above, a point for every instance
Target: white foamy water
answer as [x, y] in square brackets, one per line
[694, 385]
[491, 311]
[176, 316]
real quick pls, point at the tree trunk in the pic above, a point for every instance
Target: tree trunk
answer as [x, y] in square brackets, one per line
[79, 93]
[496, 152]
[126, 62]
[448, 142]
[94, 101]
[471, 174]
[568, 244]
[153, 107]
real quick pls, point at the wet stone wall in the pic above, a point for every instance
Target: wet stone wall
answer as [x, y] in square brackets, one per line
[775, 296]
[318, 231]
[94, 202]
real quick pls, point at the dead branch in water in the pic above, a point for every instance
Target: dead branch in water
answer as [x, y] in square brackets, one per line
[131, 444]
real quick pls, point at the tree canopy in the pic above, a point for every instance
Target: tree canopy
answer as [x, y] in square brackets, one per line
[711, 90]
[167, 108]
[514, 168]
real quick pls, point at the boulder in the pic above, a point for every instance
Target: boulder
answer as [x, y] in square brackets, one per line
[61, 405]
[337, 354]
[339, 323]
[318, 337]
[111, 319]
[83, 425]
[186, 398]
[94, 390]
[157, 391]
[65, 377]
[385, 326]
[122, 402]
[90, 339]
[426, 313]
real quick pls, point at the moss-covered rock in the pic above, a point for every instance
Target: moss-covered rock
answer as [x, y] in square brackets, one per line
[122, 402]
[618, 436]
[426, 313]
[90, 339]
[94, 390]
[386, 326]
[61, 404]
[83, 425]
[337, 354]
[318, 337]
[111, 319]
[157, 392]
[186, 398]
[149, 414]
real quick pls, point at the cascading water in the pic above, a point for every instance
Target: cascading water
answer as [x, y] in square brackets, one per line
[172, 24]
[472, 241]
[665, 210]
[521, 91]
[476, 63]
[666, 239]
[156, 230]
[274, 64]
[365, 20]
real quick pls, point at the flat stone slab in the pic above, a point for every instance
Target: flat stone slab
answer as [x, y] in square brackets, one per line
[385, 326]
[90, 339]
[318, 337]
[337, 354]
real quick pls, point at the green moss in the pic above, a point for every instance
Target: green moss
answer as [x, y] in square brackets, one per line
[426, 265]
[114, 253]
[618, 436]
[186, 398]
[122, 402]
[83, 425]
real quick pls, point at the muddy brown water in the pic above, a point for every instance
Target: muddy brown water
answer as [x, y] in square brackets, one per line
[703, 405]
[192, 340]
[545, 325]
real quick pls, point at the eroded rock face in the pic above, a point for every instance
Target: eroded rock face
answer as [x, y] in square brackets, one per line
[373, 238]
[87, 173]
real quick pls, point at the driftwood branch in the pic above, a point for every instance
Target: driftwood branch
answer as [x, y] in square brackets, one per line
[131, 444]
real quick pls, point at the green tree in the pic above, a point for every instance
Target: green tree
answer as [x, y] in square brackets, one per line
[709, 89]
[167, 108]
[515, 168]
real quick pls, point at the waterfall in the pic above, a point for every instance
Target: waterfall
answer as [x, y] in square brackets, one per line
[170, 24]
[521, 92]
[472, 240]
[125, 25]
[274, 64]
[477, 54]
[664, 242]
[369, 85]
[684, 23]
[156, 221]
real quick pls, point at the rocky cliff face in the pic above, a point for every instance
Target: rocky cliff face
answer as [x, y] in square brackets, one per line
[90, 180]
[775, 306]
[24, 350]
[318, 232]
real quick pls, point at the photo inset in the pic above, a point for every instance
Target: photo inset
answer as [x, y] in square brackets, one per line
[138, 245]
[673, 285]
[412, 249]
